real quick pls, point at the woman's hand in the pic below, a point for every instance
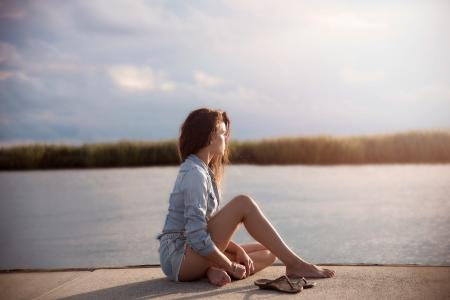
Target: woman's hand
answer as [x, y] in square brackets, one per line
[237, 270]
[243, 258]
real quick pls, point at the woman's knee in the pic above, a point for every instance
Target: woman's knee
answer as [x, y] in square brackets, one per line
[267, 257]
[245, 202]
[271, 258]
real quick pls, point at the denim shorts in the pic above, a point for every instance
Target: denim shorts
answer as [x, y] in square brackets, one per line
[172, 249]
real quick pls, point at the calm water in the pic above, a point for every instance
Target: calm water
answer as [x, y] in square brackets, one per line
[340, 214]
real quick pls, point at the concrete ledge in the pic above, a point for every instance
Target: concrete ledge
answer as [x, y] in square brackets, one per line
[351, 282]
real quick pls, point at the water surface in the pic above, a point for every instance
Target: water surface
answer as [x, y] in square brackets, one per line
[339, 214]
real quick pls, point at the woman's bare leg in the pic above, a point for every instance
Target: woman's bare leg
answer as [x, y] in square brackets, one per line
[260, 256]
[243, 209]
[197, 266]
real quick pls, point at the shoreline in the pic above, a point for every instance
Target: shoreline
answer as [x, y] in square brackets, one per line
[91, 269]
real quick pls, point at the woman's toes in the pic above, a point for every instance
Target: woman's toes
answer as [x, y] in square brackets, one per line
[218, 276]
[227, 279]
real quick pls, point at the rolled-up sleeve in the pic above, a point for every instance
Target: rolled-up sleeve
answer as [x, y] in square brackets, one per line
[195, 207]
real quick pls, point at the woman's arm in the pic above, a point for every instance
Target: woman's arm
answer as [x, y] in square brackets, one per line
[195, 194]
[195, 207]
[233, 247]
[219, 259]
[241, 257]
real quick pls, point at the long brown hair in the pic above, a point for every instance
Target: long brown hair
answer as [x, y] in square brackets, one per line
[197, 131]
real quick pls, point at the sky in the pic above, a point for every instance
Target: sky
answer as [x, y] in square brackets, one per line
[102, 71]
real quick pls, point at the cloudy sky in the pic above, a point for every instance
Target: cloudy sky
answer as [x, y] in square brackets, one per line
[91, 71]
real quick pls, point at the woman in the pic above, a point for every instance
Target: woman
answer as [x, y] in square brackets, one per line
[196, 238]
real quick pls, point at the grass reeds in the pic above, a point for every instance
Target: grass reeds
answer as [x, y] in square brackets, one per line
[406, 147]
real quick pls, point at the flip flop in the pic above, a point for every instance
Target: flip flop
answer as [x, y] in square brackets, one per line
[306, 284]
[282, 284]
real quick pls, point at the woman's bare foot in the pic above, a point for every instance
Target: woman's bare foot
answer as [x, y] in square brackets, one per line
[218, 276]
[309, 270]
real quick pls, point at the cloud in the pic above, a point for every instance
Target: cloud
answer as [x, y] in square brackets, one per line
[5, 75]
[206, 80]
[297, 67]
[348, 22]
[8, 54]
[10, 9]
[350, 75]
[108, 17]
[136, 78]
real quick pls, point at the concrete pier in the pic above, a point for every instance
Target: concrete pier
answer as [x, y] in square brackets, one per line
[148, 282]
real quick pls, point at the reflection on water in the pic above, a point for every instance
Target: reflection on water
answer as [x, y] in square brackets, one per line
[338, 214]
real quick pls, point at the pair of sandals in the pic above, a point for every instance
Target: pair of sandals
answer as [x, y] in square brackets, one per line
[285, 284]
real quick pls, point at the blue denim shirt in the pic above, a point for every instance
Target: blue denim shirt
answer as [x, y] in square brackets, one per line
[192, 202]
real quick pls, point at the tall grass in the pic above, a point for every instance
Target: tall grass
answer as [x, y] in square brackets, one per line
[100, 155]
[406, 147]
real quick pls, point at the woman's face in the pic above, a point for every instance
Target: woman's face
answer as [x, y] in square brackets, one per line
[218, 141]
